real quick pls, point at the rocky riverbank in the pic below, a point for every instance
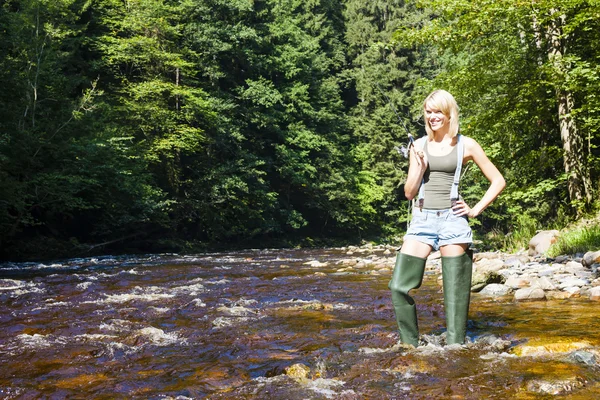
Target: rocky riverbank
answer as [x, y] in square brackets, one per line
[525, 277]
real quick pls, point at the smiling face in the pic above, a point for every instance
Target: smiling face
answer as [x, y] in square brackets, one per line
[441, 114]
[436, 119]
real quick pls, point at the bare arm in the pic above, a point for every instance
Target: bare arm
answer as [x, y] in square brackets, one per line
[416, 169]
[474, 152]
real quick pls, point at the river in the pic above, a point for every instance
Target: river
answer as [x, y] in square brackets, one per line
[274, 324]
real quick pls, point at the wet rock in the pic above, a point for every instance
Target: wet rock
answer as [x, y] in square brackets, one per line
[583, 357]
[530, 293]
[236, 311]
[541, 242]
[298, 372]
[493, 342]
[545, 349]
[316, 263]
[495, 290]
[556, 387]
[595, 293]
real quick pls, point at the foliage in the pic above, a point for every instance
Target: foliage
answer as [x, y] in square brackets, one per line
[153, 125]
[502, 62]
[577, 241]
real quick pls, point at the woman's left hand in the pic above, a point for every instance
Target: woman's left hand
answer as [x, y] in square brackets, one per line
[461, 208]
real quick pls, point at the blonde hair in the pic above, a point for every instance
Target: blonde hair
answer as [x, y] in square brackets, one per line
[445, 102]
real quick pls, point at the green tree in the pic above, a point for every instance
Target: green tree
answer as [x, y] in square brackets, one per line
[522, 74]
[384, 76]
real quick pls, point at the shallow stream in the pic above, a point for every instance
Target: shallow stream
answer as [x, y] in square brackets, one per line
[273, 324]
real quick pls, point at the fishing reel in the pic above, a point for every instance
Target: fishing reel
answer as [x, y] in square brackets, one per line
[405, 148]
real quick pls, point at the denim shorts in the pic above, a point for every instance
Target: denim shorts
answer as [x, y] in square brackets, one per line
[439, 228]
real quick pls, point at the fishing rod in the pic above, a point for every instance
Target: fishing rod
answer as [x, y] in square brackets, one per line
[411, 141]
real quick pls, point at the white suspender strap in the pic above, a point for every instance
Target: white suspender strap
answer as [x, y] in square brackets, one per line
[421, 143]
[459, 162]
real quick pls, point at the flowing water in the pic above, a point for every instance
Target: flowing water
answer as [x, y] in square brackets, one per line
[267, 324]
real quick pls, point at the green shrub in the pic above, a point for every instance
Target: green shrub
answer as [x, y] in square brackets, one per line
[577, 241]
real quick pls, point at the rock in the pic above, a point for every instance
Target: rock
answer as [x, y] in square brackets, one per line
[315, 263]
[516, 261]
[515, 282]
[488, 255]
[484, 275]
[530, 293]
[583, 357]
[541, 242]
[562, 259]
[572, 281]
[487, 264]
[556, 387]
[557, 295]
[549, 348]
[543, 283]
[298, 372]
[495, 290]
[595, 293]
[590, 258]
[572, 292]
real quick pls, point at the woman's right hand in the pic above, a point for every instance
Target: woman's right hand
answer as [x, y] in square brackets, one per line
[419, 157]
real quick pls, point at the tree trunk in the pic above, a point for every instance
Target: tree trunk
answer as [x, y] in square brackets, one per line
[574, 152]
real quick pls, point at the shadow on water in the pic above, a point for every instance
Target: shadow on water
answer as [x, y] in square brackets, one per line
[274, 324]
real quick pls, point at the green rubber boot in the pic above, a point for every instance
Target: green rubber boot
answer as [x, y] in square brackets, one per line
[408, 274]
[456, 275]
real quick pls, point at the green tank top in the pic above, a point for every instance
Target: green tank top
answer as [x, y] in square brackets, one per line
[438, 180]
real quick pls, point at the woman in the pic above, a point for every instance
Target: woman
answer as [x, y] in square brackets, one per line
[440, 218]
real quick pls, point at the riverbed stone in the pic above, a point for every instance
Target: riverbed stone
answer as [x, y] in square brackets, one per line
[316, 263]
[542, 349]
[495, 290]
[595, 293]
[298, 372]
[483, 278]
[543, 283]
[583, 357]
[516, 282]
[516, 261]
[541, 242]
[590, 258]
[530, 293]
[556, 388]
[556, 295]
[487, 255]
[572, 281]
[572, 291]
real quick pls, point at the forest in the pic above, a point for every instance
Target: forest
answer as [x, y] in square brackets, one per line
[186, 125]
